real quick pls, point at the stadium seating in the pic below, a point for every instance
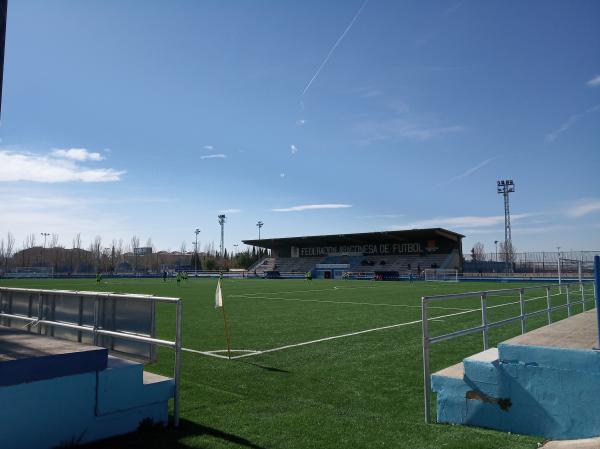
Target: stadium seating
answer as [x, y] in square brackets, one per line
[403, 264]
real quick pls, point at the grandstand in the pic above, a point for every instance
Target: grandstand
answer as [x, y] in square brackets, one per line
[335, 256]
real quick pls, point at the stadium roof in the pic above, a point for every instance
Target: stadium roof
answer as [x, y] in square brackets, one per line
[362, 238]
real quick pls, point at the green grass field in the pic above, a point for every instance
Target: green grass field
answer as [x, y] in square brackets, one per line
[355, 391]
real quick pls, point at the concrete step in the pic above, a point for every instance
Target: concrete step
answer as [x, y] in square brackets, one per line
[125, 385]
[483, 372]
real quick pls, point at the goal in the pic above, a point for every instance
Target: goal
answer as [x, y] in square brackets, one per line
[441, 274]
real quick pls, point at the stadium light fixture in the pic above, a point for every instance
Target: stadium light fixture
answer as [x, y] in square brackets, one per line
[504, 187]
[222, 219]
[259, 225]
[45, 235]
[197, 231]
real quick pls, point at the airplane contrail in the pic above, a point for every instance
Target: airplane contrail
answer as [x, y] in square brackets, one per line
[334, 47]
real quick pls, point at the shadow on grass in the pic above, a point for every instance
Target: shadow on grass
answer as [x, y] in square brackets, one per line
[169, 437]
[268, 368]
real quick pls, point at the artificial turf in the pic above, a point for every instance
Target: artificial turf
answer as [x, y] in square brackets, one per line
[358, 391]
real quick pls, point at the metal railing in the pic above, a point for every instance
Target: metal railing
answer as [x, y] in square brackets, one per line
[486, 325]
[95, 330]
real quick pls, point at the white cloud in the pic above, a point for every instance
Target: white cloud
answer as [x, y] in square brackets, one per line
[468, 221]
[15, 166]
[282, 175]
[553, 135]
[472, 170]
[300, 122]
[208, 147]
[214, 156]
[294, 148]
[401, 128]
[583, 207]
[594, 82]
[77, 154]
[312, 207]
[230, 211]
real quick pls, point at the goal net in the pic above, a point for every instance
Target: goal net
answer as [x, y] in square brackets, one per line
[441, 274]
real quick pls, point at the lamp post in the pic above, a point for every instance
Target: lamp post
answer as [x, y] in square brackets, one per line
[235, 245]
[45, 235]
[558, 262]
[197, 231]
[259, 225]
[496, 243]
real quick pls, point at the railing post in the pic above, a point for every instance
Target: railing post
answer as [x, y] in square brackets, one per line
[96, 320]
[568, 300]
[548, 305]
[177, 363]
[40, 312]
[484, 321]
[522, 306]
[426, 375]
[597, 291]
[582, 296]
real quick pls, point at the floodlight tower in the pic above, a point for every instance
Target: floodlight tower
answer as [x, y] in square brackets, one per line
[197, 231]
[259, 225]
[222, 224]
[505, 187]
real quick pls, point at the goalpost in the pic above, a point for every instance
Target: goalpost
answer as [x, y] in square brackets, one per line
[441, 274]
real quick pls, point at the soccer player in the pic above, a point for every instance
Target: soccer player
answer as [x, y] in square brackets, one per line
[178, 278]
[98, 278]
[308, 275]
[164, 276]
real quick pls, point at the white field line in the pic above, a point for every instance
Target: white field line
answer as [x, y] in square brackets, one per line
[335, 288]
[344, 302]
[207, 353]
[375, 329]
[280, 348]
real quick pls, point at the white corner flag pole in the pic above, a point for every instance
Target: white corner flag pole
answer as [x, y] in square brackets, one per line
[219, 304]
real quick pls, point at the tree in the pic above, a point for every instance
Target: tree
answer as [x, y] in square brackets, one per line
[77, 249]
[135, 243]
[478, 252]
[507, 253]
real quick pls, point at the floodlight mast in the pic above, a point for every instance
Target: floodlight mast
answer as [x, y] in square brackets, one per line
[259, 225]
[222, 224]
[505, 187]
[197, 231]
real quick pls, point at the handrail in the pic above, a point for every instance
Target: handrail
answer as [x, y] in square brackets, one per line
[487, 325]
[95, 330]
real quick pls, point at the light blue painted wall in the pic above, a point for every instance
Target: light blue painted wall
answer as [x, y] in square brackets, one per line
[553, 392]
[65, 410]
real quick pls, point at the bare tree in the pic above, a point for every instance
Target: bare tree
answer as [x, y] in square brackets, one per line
[77, 241]
[135, 243]
[183, 247]
[8, 249]
[29, 241]
[53, 241]
[96, 250]
[478, 252]
[507, 252]
[77, 250]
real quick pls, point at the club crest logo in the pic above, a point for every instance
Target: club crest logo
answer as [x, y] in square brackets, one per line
[431, 246]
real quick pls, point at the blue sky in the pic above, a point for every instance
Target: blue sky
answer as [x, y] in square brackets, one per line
[150, 118]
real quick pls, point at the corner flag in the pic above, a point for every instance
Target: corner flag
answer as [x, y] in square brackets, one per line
[219, 304]
[218, 296]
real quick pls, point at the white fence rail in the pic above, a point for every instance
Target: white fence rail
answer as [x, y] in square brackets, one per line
[39, 310]
[575, 290]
